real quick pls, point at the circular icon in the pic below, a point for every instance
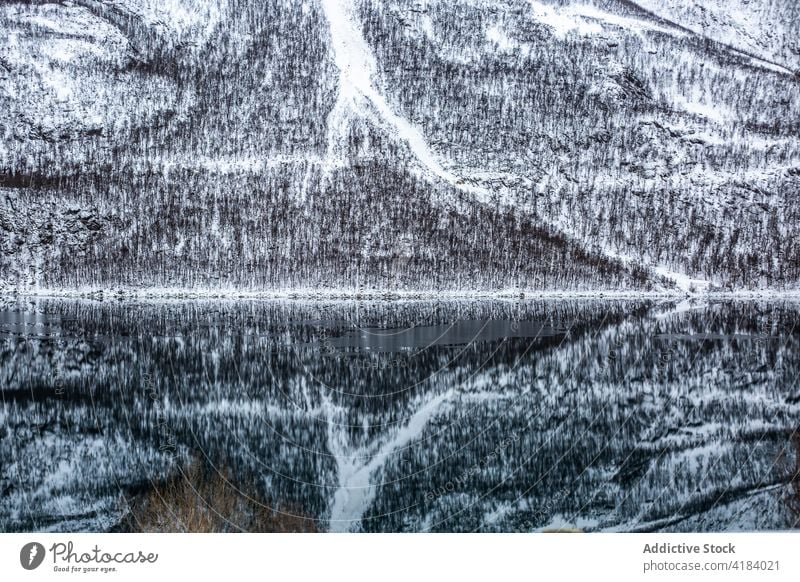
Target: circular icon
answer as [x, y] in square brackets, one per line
[31, 555]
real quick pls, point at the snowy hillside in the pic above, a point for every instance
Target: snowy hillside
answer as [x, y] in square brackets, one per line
[399, 145]
[762, 28]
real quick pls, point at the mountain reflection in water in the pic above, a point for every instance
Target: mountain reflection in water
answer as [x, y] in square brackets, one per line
[408, 416]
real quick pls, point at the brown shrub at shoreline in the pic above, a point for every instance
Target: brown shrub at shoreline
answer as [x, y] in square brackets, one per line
[201, 500]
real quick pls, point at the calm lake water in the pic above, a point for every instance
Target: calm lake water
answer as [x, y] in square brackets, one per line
[411, 416]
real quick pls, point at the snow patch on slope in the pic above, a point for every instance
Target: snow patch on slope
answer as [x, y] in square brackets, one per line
[706, 110]
[499, 37]
[586, 20]
[192, 19]
[686, 284]
[356, 65]
[760, 28]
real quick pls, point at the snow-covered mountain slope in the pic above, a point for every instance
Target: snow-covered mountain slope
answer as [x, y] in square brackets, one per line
[520, 144]
[756, 27]
[416, 416]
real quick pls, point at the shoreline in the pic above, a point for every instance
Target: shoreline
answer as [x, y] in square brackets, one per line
[306, 294]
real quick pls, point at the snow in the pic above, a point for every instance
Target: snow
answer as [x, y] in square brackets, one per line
[61, 105]
[563, 22]
[372, 464]
[60, 84]
[357, 74]
[349, 293]
[585, 20]
[357, 77]
[494, 516]
[355, 468]
[498, 36]
[683, 281]
[711, 112]
[561, 522]
[426, 25]
[753, 28]
[686, 285]
[683, 307]
[776, 68]
[237, 164]
[61, 55]
[177, 17]
[753, 511]
[709, 138]
[73, 23]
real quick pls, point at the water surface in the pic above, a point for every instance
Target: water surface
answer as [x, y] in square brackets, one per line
[407, 416]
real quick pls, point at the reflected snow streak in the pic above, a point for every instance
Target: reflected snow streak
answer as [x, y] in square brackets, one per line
[411, 416]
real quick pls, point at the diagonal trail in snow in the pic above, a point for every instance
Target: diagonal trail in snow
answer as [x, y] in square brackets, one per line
[357, 70]
[686, 284]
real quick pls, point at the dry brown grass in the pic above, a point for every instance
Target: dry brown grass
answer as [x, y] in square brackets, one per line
[199, 500]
